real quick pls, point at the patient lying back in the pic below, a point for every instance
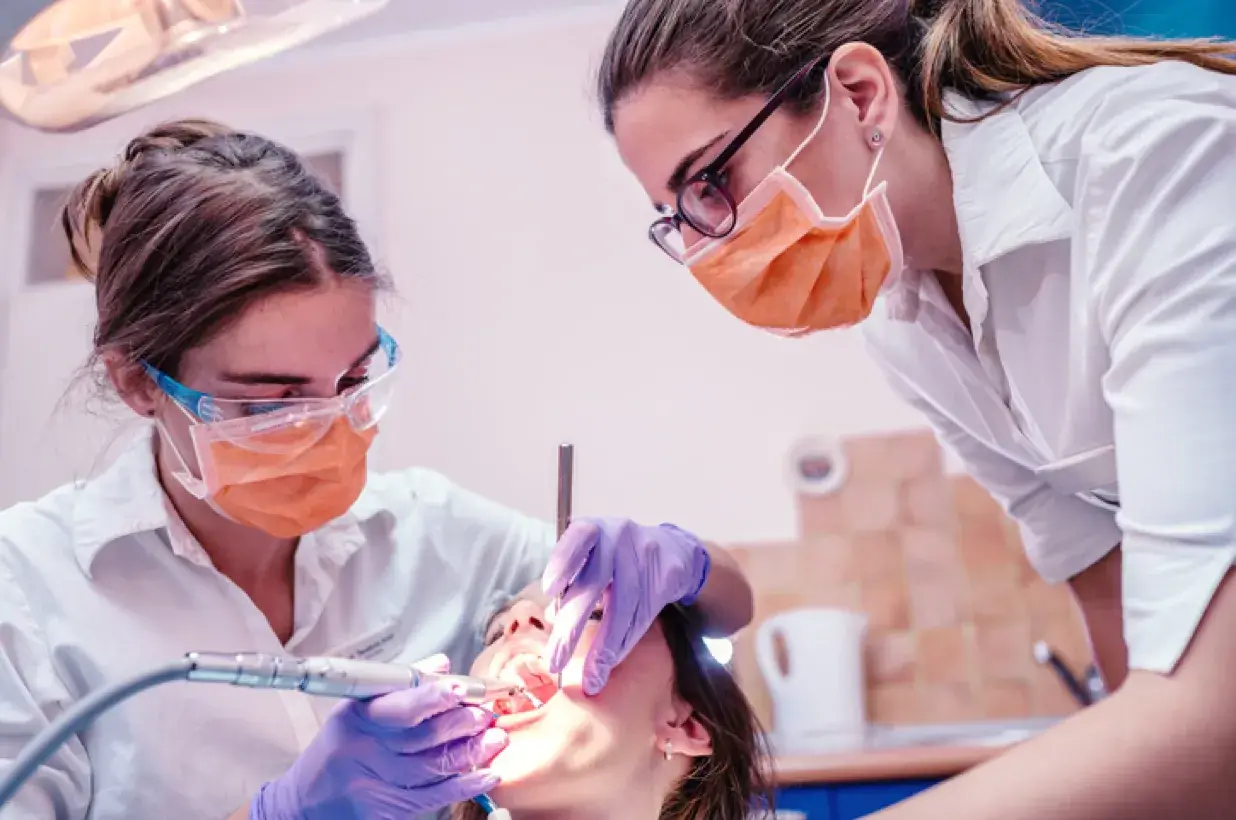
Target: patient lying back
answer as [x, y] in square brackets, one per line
[671, 737]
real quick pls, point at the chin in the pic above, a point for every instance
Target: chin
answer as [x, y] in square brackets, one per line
[533, 749]
[530, 758]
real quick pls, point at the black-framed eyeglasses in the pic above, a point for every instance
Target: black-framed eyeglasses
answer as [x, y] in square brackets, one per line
[704, 202]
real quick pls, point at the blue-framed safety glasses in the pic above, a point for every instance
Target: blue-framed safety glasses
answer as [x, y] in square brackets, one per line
[365, 395]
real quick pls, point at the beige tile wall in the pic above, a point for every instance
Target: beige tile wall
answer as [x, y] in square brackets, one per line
[954, 608]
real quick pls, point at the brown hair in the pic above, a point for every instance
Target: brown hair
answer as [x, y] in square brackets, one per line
[983, 49]
[733, 782]
[194, 223]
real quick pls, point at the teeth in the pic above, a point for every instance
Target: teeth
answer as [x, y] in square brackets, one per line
[530, 673]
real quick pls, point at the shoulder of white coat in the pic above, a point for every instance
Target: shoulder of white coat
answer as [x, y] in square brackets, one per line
[410, 488]
[1105, 105]
[38, 536]
[420, 492]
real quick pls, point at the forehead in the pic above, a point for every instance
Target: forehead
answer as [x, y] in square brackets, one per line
[662, 122]
[323, 329]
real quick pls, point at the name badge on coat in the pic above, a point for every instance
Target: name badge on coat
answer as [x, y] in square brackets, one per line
[378, 645]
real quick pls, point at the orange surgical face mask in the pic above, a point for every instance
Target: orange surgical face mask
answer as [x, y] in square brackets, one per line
[284, 478]
[788, 268]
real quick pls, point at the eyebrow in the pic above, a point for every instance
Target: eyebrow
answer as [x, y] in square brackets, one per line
[679, 175]
[262, 377]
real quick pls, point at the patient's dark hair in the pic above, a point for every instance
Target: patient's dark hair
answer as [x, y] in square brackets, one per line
[734, 780]
[732, 783]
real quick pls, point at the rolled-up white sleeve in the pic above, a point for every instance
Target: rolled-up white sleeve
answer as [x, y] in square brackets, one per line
[1061, 534]
[1157, 234]
[31, 694]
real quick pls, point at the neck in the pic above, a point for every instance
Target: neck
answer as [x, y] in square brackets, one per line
[622, 808]
[921, 195]
[252, 559]
[640, 799]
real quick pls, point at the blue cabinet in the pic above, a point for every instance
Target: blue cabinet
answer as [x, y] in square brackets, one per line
[848, 801]
[814, 801]
[855, 800]
[1162, 18]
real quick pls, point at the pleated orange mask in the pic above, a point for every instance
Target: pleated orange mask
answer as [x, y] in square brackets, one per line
[788, 268]
[287, 480]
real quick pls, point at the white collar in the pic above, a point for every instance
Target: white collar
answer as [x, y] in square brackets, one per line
[127, 499]
[1003, 197]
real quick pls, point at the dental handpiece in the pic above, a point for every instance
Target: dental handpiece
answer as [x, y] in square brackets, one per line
[335, 677]
[329, 677]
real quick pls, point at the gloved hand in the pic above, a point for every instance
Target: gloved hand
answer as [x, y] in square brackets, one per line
[636, 570]
[388, 759]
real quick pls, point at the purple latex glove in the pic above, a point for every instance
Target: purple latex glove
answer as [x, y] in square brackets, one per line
[388, 759]
[636, 571]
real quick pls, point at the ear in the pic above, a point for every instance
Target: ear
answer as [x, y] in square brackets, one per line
[870, 88]
[684, 733]
[132, 383]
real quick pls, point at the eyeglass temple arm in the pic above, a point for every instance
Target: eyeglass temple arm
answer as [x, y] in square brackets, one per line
[774, 102]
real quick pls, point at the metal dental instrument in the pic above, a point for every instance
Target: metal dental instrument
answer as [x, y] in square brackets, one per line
[566, 483]
[566, 480]
[329, 677]
[335, 677]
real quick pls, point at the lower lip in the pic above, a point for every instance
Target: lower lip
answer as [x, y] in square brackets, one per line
[522, 719]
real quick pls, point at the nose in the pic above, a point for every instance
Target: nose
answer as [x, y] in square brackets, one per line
[526, 618]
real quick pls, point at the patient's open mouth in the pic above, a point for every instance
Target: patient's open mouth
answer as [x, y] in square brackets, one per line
[529, 670]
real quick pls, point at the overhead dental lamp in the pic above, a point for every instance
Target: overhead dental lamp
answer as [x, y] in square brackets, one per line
[68, 64]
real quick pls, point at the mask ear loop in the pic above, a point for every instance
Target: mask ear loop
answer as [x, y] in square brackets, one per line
[820, 124]
[195, 486]
[828, 94]
[875, 165]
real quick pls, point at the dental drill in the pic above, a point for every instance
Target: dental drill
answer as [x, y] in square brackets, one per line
[326, 677]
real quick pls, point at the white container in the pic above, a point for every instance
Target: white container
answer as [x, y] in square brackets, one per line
[819, 700]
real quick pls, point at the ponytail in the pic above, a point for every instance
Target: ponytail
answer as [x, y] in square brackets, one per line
[991, 49]
[984, 49]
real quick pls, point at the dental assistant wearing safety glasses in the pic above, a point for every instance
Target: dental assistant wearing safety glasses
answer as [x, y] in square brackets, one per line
[1036, 233]
[236, 311]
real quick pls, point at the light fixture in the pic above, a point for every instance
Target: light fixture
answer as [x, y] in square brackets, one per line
[67, 64]
[722, 649]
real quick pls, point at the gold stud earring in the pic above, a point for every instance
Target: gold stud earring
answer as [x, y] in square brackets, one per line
[669, 750]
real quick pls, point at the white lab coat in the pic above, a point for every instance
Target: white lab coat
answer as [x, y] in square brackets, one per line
[102, 581]
[1095, 394]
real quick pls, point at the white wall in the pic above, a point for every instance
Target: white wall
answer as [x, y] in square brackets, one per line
[532, 308]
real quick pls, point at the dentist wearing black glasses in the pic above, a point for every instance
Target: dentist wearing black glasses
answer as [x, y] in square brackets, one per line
[1035, 231]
